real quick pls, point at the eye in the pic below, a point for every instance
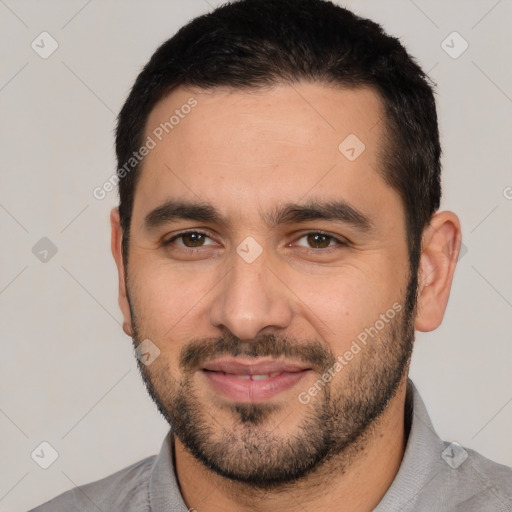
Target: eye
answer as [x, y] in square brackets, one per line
[189, 239]
[319, 240]
[314, 240]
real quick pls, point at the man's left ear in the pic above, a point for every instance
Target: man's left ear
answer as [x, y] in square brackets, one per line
[441, 244]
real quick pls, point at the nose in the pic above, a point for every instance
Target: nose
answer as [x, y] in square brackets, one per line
[251, 300]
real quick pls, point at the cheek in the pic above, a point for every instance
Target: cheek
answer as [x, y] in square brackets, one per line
[341, 305]
[334, 305]
[169, 301]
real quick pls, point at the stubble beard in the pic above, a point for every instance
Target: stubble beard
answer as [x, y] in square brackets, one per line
[333, 425]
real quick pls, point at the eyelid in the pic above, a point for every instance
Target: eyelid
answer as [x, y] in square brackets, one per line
[181, 233]
[341, 241]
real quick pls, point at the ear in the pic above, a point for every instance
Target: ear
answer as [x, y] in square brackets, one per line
[440, 250]
[117, 251]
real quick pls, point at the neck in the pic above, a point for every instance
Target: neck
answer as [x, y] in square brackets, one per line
[356, 480]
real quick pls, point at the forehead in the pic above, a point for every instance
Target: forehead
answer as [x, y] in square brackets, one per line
[311, 115]
[236, 147]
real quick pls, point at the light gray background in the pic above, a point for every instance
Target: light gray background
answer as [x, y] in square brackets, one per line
[68, 375]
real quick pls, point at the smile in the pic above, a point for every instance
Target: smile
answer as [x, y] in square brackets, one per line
[248, 381]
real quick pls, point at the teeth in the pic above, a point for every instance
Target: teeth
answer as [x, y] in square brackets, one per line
[262, 376]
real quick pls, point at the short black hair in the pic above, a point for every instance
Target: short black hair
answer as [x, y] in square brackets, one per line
[253, 44]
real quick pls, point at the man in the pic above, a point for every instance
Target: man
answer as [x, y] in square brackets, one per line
[278, 243]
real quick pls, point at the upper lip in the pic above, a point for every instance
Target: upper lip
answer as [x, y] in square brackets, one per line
[241, 366]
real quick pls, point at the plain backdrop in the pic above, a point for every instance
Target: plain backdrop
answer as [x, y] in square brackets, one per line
[68, 376]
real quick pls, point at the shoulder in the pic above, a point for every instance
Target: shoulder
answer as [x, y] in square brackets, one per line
[486, 482]
[105, 494]
[439, 475]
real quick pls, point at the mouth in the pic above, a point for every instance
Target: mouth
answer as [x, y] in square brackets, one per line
[250, 380]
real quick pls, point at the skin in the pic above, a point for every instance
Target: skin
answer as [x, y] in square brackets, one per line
[245, 153]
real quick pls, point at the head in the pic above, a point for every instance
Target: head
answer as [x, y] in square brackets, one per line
[282, 215]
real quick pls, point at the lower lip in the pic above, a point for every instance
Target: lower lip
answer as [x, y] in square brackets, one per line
[253, 391]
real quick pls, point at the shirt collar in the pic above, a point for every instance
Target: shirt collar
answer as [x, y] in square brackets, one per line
[421, 462]
[164, 491]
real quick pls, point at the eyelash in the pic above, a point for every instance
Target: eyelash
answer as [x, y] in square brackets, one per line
[340, 243]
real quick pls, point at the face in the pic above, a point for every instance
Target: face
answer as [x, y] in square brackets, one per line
[269, 265]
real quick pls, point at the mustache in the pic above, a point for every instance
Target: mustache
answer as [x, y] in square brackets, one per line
[313, 353]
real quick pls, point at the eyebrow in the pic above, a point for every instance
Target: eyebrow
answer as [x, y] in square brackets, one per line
[289, 213]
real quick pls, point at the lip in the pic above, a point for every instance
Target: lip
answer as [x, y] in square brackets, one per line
[240, 379]
[253, 366]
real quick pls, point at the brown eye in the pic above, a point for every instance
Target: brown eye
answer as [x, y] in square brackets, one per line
[193, 239]
[188, 240]
[318, 240]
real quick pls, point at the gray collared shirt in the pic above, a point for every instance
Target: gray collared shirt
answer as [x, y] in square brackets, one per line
[434, 476]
